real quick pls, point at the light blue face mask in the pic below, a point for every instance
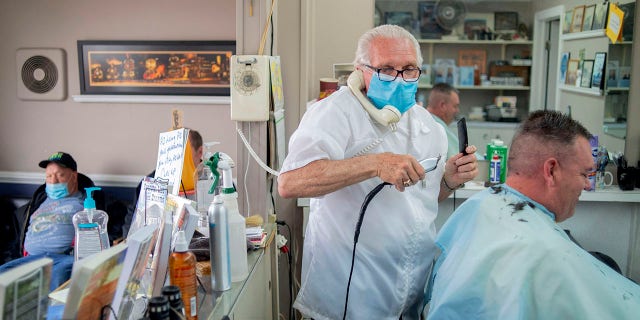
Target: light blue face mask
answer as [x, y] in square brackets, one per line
[398, 93]
[56, 191]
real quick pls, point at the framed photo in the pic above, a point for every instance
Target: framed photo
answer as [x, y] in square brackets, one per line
[624, 72]
[587, 70]
[566, 26]
[599, 62]
[476, 58]
[564, 64]
[474, 24]
[600, 16]
[505, 21]
[400, 18]
[576, 19]
[429, 27]
[572, 72]
[155, 67]
[587, 21]
[466, 76]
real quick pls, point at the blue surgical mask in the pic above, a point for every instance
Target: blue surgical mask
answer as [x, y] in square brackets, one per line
[56, 191]
[398, 93]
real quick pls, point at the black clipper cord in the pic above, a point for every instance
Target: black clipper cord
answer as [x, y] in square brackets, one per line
[363, 209]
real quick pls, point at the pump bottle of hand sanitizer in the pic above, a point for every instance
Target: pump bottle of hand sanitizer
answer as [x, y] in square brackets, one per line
[91, 228]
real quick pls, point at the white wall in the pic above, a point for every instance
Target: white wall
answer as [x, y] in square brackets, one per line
[105, 138]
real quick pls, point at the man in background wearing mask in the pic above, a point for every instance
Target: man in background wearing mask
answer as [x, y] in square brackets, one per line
[50, 231]
[338, 154]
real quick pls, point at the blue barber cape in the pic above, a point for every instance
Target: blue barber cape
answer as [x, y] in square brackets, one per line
[504, 257]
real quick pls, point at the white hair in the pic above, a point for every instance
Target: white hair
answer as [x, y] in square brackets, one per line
[384, 31]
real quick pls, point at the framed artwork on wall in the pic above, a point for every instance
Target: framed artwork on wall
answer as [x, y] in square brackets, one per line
[564, 64]
[429, 27]
[476, 58]
[400, 18]
[587, 21]
[576, 19]
[566, 25]
[587, 70]
[600, 16]
[155, 67]
[599, 62]
[572, 72]
[505, 21]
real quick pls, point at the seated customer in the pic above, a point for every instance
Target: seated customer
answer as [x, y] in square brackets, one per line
[504, 255]
[48, 216]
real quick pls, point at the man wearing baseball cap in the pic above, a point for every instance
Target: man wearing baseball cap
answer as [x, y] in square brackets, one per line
[48, 218]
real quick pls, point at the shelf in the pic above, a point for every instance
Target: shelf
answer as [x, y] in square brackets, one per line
[615, 89]
[523, 88]
[475, 42]
[153, 99]
[587, 91]
[582, 35]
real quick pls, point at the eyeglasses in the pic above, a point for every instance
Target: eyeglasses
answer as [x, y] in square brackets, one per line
[390, 74]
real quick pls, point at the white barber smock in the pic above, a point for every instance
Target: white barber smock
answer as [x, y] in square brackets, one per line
[504, 257]
[396, 244]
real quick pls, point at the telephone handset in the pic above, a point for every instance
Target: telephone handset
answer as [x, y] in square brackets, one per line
[387, 116]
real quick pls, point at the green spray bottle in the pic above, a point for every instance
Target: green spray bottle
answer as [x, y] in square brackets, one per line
[91, 228]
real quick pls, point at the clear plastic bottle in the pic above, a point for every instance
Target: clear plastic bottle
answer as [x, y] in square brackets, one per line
[219, 246]
[182, 273]
[91, 228]
[203, 181]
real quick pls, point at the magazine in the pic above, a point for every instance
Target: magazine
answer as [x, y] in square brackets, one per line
[133, 269]
[24, 289]
[93, 283]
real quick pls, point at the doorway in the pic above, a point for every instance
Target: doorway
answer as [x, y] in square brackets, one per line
[546, 48]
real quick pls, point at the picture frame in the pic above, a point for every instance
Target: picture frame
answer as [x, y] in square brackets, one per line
[576, 18]
[566, 26]
[476, 58]
[572, 72]
[600, 16]
[599, 62]
[505, 21]
[474, 24]
[587, 72]
[466, 76]
[564, 64]
[199, 68]
[587, 21]
[400, 18]
[624, 73]
[429, 27]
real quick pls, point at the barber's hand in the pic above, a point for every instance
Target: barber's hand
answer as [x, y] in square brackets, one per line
[460, 169]
[400, 170]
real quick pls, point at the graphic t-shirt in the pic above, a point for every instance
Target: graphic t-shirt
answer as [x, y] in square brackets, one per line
[51, 225]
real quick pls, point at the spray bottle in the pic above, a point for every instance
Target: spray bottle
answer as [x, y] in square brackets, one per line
[91, 228]
[203, 181]
[219, 245]
[237, 227]
[182, 273]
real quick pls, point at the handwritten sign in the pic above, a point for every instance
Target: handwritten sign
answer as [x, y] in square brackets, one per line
[171, 147]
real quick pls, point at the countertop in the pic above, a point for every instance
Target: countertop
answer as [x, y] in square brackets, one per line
[608, 194]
